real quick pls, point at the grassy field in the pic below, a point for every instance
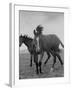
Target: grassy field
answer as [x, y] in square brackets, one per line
[27, 72]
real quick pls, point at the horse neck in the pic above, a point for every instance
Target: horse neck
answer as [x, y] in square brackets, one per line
[27, 43]
[39, 42]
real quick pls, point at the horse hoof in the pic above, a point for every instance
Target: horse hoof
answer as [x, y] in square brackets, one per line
[52, 69]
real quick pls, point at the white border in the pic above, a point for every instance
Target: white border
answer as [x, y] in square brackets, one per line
[15, 47]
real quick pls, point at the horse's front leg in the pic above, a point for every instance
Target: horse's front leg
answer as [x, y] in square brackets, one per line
[37, 71]
[31, 60]
[40, 62]
[36, 63]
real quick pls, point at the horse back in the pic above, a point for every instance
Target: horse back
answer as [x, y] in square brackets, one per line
[48, 41]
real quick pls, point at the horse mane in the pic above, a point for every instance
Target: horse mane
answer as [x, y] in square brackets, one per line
[27, 38]
[39, 29]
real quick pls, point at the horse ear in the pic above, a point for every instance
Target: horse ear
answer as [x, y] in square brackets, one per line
[34, 32]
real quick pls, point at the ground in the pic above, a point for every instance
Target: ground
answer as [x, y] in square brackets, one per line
[27, 72]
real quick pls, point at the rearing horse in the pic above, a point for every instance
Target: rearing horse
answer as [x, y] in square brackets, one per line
[47, 43]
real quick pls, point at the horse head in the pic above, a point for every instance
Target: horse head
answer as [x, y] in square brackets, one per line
[39, 29]
[22, 39]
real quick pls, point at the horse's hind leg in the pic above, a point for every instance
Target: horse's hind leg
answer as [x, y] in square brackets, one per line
[31, 61]
[48, 54]
[59, 58]
[54, 61]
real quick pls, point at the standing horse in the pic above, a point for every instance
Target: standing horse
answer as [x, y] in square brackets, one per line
[47, 43]
[30, 43]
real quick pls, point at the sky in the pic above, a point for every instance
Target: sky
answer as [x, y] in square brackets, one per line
[53, 23]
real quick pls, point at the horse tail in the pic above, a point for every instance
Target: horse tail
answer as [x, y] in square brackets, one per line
[61, 44]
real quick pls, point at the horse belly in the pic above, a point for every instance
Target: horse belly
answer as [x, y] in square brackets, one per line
[49, 45]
